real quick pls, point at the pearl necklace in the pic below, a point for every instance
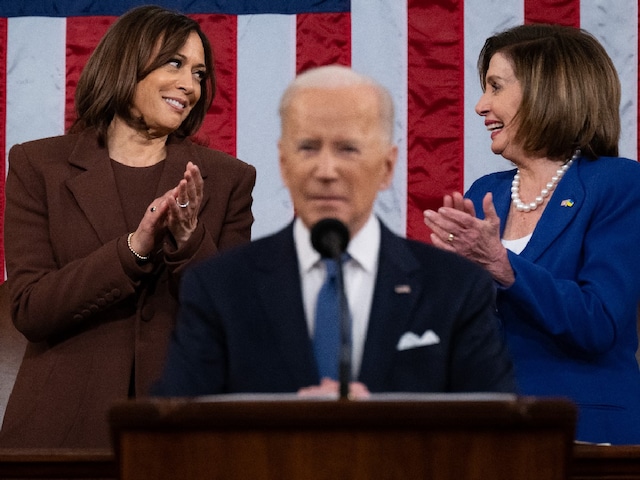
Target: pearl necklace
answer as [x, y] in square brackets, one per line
[544, 193]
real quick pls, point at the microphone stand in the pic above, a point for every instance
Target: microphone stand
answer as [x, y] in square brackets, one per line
[330, 238]
[344, 366]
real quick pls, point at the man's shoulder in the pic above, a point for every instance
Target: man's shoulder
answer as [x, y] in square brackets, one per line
[251, 254]
[427, 257]
[429, 254]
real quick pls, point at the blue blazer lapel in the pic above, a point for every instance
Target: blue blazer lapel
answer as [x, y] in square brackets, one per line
[394, 298]
[563, 207]
[502, 204]
[279, 289]
[556, 216]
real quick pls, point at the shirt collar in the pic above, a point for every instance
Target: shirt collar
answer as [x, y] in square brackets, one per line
[363, 248]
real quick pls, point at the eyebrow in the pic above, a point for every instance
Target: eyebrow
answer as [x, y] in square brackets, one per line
[184, 57]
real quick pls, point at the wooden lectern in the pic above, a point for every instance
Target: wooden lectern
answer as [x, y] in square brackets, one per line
[453, 437]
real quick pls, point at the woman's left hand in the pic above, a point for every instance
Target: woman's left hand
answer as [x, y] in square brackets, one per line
[455, 228]
[184, 204]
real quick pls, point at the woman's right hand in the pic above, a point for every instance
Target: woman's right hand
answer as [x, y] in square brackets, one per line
[164, 213]
[152, 226]
[456, 228]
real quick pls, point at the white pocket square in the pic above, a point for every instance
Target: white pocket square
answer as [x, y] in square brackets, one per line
[411, 340]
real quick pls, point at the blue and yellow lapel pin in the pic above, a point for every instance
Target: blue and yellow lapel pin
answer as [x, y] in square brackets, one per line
[567, 203]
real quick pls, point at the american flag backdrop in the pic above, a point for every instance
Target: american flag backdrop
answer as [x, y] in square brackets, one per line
[424, 51]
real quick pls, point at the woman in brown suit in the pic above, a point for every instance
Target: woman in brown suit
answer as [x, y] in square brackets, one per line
[102, 222]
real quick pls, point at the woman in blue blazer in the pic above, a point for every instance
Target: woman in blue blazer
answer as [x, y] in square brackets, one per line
[560, 233]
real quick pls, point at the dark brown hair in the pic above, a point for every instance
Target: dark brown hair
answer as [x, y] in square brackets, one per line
[140, 41]
[570, 89]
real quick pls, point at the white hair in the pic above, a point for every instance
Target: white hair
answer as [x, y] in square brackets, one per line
[336, 76]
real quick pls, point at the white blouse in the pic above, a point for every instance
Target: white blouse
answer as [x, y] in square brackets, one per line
[517, 245]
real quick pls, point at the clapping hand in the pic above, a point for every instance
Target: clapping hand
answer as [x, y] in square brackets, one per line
[176, 210]
[455, 228]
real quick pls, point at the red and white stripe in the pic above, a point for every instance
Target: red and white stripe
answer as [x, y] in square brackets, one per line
[424, 51]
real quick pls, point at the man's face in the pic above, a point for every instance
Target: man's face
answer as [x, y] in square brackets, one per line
[335, 155]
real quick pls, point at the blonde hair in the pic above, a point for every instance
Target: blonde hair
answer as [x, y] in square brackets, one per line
[570, 89]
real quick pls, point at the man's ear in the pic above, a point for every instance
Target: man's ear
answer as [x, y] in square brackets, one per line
[389, 167]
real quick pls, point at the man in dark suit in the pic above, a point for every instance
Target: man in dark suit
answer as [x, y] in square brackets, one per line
[422, 318]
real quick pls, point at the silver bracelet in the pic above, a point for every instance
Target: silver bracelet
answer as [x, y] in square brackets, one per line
[142, 258]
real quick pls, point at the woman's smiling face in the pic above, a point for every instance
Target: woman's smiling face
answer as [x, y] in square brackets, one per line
[499, 105]
[166, 96]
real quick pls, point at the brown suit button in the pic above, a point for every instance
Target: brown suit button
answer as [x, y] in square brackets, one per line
[86, 313]
[147, 313]
[101, 302]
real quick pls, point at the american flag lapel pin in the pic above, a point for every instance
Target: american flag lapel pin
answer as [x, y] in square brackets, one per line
[402, 289]
[567, 203]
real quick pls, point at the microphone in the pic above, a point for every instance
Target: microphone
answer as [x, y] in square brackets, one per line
[330, 238]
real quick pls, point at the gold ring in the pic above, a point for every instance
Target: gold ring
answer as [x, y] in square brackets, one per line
[182, 205]
[451, 237]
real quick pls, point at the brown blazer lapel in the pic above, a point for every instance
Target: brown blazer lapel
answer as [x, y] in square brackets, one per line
[94, 188]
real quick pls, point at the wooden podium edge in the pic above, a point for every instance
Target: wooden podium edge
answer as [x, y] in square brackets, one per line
[195, 414]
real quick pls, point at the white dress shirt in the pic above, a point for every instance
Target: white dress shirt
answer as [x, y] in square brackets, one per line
[359, 279]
